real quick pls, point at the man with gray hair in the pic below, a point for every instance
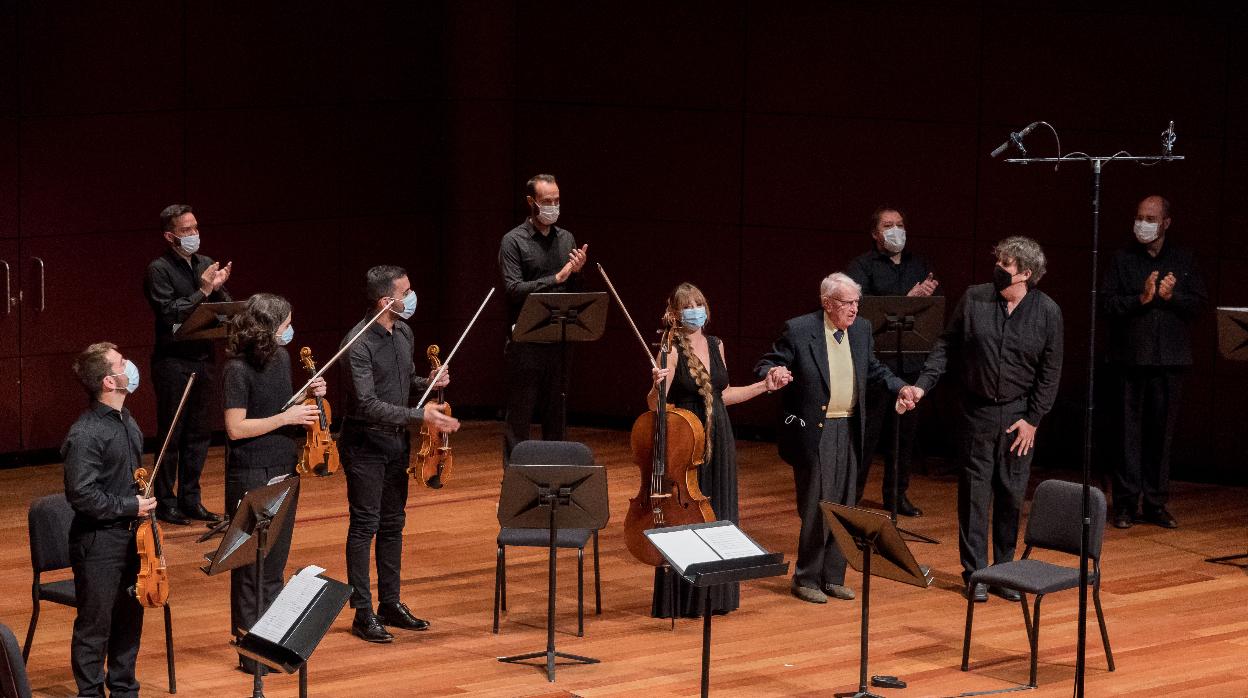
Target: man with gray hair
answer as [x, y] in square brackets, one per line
[827, 359]
[1005, 341]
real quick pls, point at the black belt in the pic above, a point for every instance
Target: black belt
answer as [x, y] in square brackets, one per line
[373, 426]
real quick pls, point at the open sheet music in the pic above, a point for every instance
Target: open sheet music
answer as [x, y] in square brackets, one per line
[295, 597]
[687, 546]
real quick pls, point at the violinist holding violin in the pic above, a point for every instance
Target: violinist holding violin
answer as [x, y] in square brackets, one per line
[102, 451]
[263, 440]
[697, 380]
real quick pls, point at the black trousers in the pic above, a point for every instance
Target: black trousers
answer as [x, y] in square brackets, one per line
[238, 480]
[991, 479]
[184, 461]
[534, 385]
[110, 620]
[1150, 410]
[375, 464]
[819, 560]
[882, 423]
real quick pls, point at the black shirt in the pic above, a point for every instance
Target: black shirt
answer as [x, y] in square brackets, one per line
[172, 289]
[1156, 334]
[879, 276]
[101, 452]
[529, 261]
[262, 392]
[382, 375]
[1002, 357]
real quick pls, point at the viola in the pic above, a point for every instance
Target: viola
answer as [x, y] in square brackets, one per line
[319, 455]
[434, 459]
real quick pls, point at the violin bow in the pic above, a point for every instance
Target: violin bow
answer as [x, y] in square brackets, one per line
[169, 435]
[644, 347]
[442, 369]
[325, 366]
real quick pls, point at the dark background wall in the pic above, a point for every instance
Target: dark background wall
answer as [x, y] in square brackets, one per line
[740, 145]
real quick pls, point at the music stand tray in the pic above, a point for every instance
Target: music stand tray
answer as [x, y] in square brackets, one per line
[1233, 346]
[554, 497]
[710, 554]
[207, 321]
[861, 535]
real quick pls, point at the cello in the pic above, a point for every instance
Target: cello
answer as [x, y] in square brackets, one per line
[151, 585]
[668, 444]
[319, 454]
[434, 459]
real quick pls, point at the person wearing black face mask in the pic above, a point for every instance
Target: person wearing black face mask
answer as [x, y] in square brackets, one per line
[1005, 341]
[176, 283]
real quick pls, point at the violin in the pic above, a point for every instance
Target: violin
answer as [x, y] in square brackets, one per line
[434, 459]
[319, 454]
[668, 445]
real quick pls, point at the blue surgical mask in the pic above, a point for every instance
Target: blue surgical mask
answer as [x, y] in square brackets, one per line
[189, 244]
[409, 305]
[131, 372]
[284, 338]
[693, 318]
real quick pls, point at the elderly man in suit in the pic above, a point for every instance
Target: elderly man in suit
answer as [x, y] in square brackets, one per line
[829, 358]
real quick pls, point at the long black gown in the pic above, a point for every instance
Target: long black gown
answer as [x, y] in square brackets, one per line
[717, 479]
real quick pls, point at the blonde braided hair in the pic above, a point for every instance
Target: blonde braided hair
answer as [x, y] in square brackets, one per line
[681, 297]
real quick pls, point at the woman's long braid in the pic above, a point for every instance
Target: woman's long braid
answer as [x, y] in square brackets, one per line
[702, 377]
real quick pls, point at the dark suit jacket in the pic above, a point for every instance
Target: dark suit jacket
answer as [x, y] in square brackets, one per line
[804, 350]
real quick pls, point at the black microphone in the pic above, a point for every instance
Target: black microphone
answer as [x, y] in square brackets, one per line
[1015, 139]
[1168, 138]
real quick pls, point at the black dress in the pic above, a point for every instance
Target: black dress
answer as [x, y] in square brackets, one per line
[717, 478]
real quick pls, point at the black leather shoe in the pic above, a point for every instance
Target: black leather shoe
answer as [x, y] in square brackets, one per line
[907, 508]
[171, 515]
[1124, 519]
[369, 627]
[979, 593]
[1007, 594]
[397, 615]
[199, 513]
[1160, 517]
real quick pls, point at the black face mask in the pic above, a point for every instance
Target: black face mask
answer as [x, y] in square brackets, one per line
[1001, 279]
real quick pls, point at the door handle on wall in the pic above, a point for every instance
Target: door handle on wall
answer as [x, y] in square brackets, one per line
[43, 295]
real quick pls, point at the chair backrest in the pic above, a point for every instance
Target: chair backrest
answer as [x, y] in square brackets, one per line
[13, 681]
[551, 453]
[1056, 518]
[48, 525]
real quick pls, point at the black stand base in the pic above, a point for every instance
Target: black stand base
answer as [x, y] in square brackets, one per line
[860, 694]
[549, 655]
[1228, 560]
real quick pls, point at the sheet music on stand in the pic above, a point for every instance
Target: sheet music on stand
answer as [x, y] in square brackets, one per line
[285, 610]
[685, 546]
[294, 624]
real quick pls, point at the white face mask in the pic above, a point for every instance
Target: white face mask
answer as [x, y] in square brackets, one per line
[895, 239]
[547, 215]
[1146, 232]
[189, 244]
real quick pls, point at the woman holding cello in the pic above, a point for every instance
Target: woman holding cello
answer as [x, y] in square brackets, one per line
[697, 380]
[264, 441]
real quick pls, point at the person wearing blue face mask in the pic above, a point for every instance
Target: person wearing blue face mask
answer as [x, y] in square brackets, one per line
[101, 452]
[264, 440]
[697, 380]
[175, 284]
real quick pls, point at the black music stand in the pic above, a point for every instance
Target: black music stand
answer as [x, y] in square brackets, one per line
[1233, 346]
[915, 322]
[553, 496]
[207, 321]
[710, 554]
[546, 318]
[252, 531]
[862, 534]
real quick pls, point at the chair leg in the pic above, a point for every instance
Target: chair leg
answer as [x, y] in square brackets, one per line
[502, 566]
[580, 592]
[597, 580]
[1022, 601]
[173, 680]
[1100, 618]
[34, 620]
[966, 638]
[498, 579]
[1035, 639]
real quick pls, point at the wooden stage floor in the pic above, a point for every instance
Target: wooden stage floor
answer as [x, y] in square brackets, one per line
[1179, 626]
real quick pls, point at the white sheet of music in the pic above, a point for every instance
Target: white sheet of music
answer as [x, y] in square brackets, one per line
[729, 542]
[300, 591]
[692, 545]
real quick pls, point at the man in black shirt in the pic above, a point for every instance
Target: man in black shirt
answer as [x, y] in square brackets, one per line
[1151, 293]
[176, 283]
[101, 452]
[891, 270]
[1005, 340]
[375, 449]
[536, 257]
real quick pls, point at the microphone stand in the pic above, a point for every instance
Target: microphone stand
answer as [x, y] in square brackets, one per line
[1097, 163]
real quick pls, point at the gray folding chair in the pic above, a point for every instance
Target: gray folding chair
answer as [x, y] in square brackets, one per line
[1055, 524]
[13, 681]
[549, 453]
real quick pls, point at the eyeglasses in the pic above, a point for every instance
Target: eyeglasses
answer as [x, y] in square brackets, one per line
[841, 302]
